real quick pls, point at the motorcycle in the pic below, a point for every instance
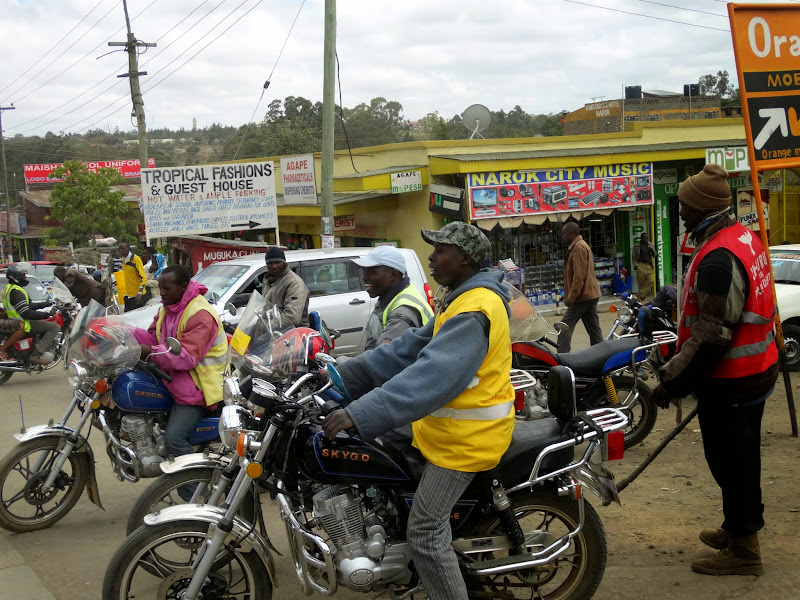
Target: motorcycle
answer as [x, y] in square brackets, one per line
[606, 374]
[345, 503]
[22, 350]
[42, 478]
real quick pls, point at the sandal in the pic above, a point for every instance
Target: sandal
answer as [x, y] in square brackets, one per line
[4, 356]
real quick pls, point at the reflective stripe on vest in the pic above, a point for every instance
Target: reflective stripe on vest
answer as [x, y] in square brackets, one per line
[752, 349]
[472, 431]
[409, 296]
[12, 311]
[488, 413]
[207, 374]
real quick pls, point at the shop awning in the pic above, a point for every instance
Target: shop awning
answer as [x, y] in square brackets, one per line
[514, 222]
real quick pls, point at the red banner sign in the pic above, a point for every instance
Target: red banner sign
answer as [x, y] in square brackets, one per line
[128, 168]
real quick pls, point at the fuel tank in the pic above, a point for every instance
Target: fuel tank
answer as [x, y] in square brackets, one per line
[346, 459]
[136, 391]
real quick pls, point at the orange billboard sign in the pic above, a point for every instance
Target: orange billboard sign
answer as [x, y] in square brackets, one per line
[766, 42]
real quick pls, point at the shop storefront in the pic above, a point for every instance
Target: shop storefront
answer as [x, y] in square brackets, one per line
[523, 213]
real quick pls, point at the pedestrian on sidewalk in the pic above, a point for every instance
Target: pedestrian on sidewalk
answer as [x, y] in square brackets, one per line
[644, 260]
[581, 289]
[727, 357]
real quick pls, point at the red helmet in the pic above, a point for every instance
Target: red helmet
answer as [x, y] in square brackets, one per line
[101, 340]
[290, 349]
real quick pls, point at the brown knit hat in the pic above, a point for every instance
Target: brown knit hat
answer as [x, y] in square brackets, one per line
[708, 190]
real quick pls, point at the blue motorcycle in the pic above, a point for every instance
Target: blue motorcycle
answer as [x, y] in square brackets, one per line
[42, 478]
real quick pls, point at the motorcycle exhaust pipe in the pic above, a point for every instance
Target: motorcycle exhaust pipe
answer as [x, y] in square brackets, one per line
[8, 369]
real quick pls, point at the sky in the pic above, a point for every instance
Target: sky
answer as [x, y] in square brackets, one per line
[544, 55]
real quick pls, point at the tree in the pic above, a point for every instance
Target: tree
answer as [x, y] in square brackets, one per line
[431, 127]
[717, 85]
[86, 205]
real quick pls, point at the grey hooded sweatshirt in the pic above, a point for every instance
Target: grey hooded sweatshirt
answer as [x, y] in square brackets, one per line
[399, 383]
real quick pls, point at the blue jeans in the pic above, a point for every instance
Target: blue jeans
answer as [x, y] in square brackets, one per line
[182, 422]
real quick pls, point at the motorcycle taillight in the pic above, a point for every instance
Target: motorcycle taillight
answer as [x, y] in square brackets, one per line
[663, 349]
[614, 448]
[519, 400]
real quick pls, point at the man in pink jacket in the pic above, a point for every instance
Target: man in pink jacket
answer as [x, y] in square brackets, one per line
[200, 336]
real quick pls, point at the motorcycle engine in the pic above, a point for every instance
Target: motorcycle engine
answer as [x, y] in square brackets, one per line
[139, 430]
[360, 547]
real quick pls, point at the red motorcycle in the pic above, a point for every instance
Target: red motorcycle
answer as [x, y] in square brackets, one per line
[22, 350]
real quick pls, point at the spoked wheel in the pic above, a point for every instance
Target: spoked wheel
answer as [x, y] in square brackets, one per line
[545, 517]
[155, 562]
[24, 504]
[636, 401]
[184, 487]
[791, 340]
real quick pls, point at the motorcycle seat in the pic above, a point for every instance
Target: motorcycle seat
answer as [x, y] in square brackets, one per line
[590, 362]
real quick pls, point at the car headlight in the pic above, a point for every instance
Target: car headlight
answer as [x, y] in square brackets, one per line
[230, 391]
[75, 374]
[230, 425]
[625, 314]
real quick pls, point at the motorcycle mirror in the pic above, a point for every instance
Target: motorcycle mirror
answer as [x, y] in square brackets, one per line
[231, 309]
[173, 345]
[561, 327]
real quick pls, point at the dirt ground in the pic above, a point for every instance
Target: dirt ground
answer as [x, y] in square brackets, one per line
[652, 537]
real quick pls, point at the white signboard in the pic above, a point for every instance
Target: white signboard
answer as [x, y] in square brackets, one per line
[752, 218]
[344, 223]
[408, 181]
[297, 174]
[209, 198]
[731, 158]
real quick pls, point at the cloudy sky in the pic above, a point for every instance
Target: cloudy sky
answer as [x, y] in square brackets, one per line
[545, 55]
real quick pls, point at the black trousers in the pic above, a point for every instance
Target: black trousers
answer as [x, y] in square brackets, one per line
[131, 303]
[732, 443]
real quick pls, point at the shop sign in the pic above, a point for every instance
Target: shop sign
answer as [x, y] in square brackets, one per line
[687, 244]
[297, 175]
[752, 218]
[765, 43]
[209, 198]
[520, 193]
[664, 176]
[344, 223]
[732, 159]
[407, 181]
[446, 200]
[19, 223]
[367, 231]
[128, 168]
[774, 183]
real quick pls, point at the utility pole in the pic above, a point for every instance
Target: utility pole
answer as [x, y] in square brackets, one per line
[132, 48]
[5, 180]
[328, 116]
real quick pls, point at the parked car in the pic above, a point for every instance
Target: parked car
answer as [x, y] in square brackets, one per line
[36, 290]
[786, 270]
[40, 269]
[333, 280]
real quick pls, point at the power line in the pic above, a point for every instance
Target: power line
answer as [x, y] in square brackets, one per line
[266, 85]
[704, 12]
[627, 12]
[41, 58]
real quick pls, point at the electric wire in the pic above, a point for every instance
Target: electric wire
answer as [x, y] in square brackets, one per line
[341, 113]
[627, 12]
[41, 58]
[266, 85]
[704, 12]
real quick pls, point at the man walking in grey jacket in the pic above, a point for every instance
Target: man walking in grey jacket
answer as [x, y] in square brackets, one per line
[285, 289]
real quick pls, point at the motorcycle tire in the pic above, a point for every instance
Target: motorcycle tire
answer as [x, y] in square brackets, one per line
[642, 413]
[791, 339]
[71, 481]
[582, 566]
[5, 376]
[163, 492]
[141, 549]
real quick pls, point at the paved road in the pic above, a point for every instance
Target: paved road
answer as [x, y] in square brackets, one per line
[68, 561]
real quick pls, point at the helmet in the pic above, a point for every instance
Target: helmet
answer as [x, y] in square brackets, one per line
[100, 340]
[16, 276]
[289, 349]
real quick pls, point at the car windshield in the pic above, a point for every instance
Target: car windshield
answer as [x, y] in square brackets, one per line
[41, 272]
[36, 291]
[786, 267]
[219, 279]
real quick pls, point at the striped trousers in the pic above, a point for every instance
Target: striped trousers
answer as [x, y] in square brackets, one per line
[429, 533]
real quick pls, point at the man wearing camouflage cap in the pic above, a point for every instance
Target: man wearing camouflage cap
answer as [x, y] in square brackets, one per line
[450, 379]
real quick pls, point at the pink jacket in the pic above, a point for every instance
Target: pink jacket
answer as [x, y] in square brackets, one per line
[197, 338]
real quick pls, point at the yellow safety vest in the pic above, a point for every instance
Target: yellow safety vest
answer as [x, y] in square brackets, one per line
[472, 432]
[412, 298]
[10, 310]
[207, 375]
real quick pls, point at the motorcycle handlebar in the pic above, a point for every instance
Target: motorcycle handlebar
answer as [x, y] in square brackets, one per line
[154, 369]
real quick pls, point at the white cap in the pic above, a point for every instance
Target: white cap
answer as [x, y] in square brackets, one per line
[387, 256]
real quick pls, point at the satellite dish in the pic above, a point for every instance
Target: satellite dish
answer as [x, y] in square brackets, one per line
[476, 118]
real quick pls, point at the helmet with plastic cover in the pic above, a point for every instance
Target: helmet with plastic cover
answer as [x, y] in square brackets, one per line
[16, 276]
[108, 342]
[298, 346]
[525, 322]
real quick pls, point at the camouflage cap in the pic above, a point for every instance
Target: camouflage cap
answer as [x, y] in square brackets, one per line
[467, 237]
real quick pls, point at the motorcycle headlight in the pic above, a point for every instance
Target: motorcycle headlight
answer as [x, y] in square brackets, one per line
[230, 391]
[230, 425]
[75, 374]
[625, 314]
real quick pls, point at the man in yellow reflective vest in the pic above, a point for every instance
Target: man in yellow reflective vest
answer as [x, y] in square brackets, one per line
[132, 278]
[400, 305]
[17, 305]
[450, 379]
[196, 372]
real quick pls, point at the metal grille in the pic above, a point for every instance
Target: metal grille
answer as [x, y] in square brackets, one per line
[340, 513]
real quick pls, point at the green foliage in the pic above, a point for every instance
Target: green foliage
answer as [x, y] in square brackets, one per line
[431, 127]
[718, 85]
[86, 205]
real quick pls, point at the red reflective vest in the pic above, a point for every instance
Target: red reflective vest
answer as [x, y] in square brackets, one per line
[752, 348]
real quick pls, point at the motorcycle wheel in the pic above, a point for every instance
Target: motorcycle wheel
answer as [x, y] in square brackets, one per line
[163, 492]
[23, 505]
[575, 575]
[5, 376]
[641, 411]
[155, 562]
[791, 339]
